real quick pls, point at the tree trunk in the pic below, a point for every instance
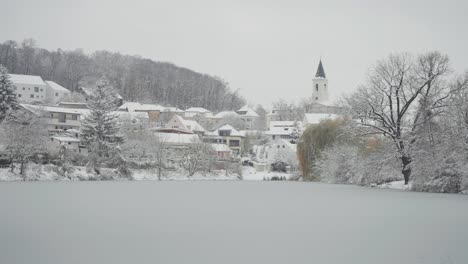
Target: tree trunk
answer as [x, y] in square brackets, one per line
[22, 168]
[406, 171]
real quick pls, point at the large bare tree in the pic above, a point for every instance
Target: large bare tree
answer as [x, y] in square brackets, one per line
[401, 95]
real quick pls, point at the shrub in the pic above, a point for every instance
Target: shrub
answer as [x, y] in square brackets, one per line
[279, 166]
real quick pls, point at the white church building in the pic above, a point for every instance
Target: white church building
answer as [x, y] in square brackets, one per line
[320, 84]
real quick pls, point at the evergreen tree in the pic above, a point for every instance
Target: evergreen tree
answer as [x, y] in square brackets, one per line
[100, 129]
[8, 100]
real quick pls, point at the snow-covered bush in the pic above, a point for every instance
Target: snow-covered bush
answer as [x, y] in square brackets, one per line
[436, 173]
[279, 166]
[366, 164]
[337, 164]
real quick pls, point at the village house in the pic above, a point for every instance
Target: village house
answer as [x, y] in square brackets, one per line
[282, 129]
[153, 111]
[168, 112]
[31, 88]
[282, 150]
[225, 135]
[276, 150]
[248, 116]
[192, 126]
[222, 150]
[55, 93]
[57, 119]
[192, 111]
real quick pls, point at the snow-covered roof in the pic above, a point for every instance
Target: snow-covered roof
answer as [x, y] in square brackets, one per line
[282, 123]
[136, 106]
[26, 79]
[224, 114]
[56, 87]
[66, 139]
[193, 125]
[245, 133]
[247, 111]
[209, 115]
[227, 127]
[176, 138]
[173, 109]
[221, 148]
[190, 125]
[200, 110]
[139, 116]
[151, 107]
[315, 118]
[278, 131]
[37, 109]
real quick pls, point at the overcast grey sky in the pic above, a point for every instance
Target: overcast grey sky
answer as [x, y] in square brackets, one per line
[268, 49]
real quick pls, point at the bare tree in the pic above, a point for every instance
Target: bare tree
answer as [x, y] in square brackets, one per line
[196, 157]
[398, 98]
[159, 152]
[23, 137]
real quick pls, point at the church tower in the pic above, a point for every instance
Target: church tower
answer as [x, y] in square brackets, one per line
[320, 85]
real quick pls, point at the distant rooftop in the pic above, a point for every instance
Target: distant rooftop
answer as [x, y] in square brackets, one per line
[56, 86]
[26, 79]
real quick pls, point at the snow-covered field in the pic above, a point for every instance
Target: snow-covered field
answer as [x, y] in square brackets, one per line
[227, 222]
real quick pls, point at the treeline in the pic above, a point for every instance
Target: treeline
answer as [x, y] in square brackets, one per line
[136, 78]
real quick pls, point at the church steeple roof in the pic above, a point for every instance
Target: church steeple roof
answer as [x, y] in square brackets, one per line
[320, 71]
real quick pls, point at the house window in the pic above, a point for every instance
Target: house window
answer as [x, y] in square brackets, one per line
[62, 118]
[56, 94]
[24, 88]
[74, 117]
[42, 90]
[316, 87]
[225, 133]
[316, 98]
[234, 143]
[32, 96]
[36, 89]
[19, 95]
[325, 85]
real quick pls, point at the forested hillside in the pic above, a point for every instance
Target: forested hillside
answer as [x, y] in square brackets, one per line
[136, 78]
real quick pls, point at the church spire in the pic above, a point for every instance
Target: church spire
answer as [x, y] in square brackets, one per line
[320, 71]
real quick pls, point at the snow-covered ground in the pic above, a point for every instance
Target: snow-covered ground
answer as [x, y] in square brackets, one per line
[215, 175]
[228, 222]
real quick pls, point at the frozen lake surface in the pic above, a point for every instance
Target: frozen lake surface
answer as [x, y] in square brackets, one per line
[227, 222]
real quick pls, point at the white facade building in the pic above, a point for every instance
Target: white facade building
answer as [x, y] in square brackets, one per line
[30, 88]
[55, 93]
